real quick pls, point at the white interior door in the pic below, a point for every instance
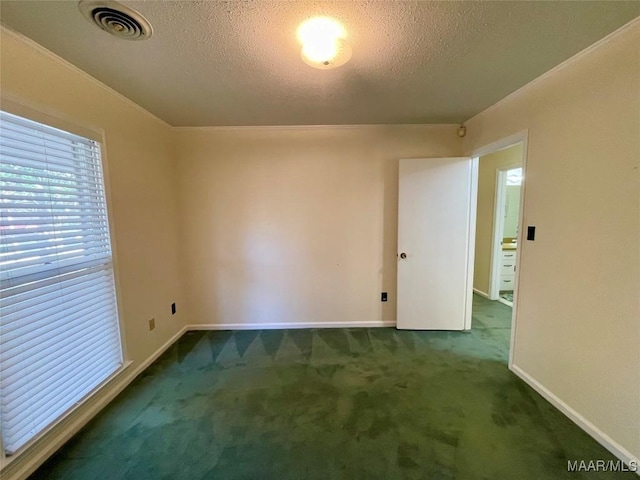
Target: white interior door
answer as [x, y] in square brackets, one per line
[436, 233]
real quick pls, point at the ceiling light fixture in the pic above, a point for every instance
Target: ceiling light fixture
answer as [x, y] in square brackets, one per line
[323, 43]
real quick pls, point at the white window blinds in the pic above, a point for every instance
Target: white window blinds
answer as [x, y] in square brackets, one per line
[59, 334]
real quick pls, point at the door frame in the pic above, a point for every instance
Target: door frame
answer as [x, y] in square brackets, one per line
[498, 230]
[519, 137]
[471, 241]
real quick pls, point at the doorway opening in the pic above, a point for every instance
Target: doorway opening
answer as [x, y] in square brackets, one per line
[505, 227]
[498, 229]
[440, 208]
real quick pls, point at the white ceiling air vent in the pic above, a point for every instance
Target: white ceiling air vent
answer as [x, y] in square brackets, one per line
[116, 19]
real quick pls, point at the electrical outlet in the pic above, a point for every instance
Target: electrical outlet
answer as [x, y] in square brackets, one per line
[152, 324]
[173, 309]
[383, 297]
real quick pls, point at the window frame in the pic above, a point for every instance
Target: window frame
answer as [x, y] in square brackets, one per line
[51, 118]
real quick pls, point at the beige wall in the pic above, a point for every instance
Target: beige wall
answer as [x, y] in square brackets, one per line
[487, 170]
[140, 167]
[295, 225]
[578, 318]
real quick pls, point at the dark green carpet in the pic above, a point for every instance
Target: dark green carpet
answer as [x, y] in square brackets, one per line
[334, 403]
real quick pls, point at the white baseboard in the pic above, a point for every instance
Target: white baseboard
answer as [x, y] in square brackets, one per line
[290, 325]
[505, 302]
[602, 438]
[27, 463]
[481, 293]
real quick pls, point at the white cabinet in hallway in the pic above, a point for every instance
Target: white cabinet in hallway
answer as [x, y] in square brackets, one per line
[507, 270]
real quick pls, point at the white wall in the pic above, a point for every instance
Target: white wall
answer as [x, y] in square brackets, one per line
[142, 200]
[578, 318]
[295, 225]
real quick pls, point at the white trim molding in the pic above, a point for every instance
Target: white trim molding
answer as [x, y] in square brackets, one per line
[598, 435]
[603, 41]
[378, 126]
[471, 236]
[481, 293]
[48, 53]
[290, 325]
[504, 302]
[501, 144]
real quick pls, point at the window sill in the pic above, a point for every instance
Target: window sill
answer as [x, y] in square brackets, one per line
[60, 431]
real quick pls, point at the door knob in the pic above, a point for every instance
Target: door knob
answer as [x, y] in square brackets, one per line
[403, 255]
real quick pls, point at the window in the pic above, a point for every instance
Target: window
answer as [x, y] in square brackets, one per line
[59, 333]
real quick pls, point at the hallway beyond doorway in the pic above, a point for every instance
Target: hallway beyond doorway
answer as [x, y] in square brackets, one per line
[493, 320]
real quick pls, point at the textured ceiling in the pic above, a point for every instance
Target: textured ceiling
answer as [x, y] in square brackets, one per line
[238, 62]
